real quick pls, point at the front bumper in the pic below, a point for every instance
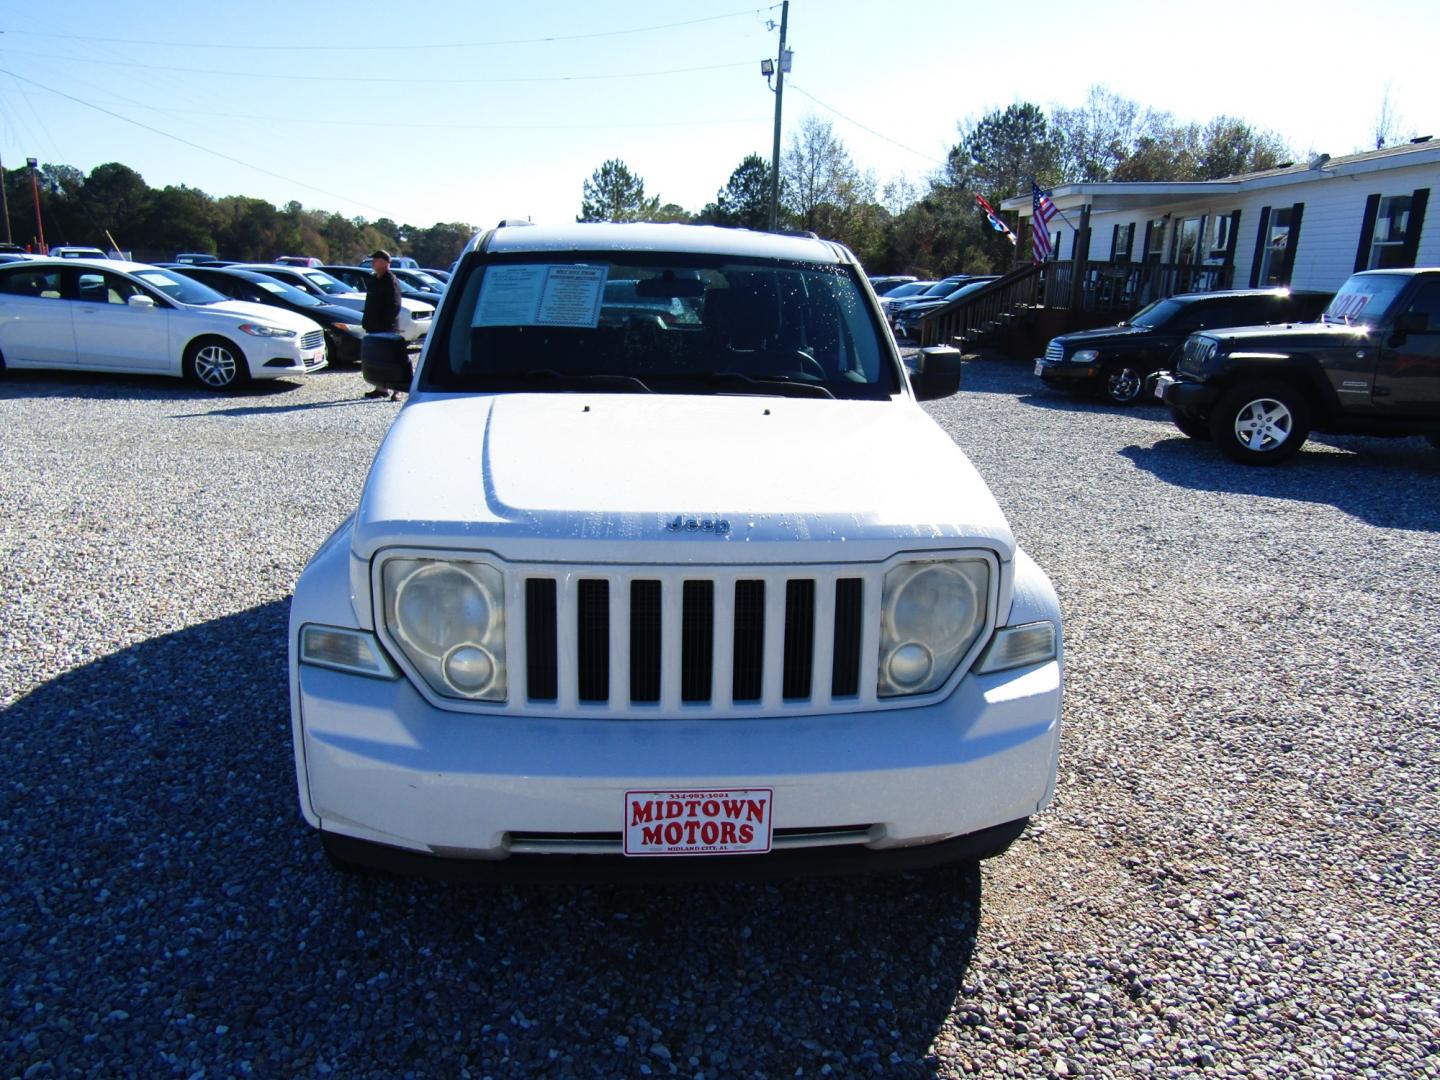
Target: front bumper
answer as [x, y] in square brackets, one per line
[1192, 398]
[377, 763]
[291, 361]
[1061, 373]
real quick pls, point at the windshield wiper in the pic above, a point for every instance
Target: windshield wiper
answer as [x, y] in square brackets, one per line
[783, 384]
[550, 375]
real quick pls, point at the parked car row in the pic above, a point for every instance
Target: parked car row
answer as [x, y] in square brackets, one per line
[217, 324]
[1256, 370]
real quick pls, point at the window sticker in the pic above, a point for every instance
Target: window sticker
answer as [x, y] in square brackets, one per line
[541, 295]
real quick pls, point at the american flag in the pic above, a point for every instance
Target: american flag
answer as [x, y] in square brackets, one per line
[1043, 211]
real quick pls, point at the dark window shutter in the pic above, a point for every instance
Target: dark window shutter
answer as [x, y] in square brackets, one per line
[1145, 251]
[1232, 238]
[1367, 232]
[1418, 199]
[1260, 239]
[1114, 241]
[1292, 242]
[1130, 242]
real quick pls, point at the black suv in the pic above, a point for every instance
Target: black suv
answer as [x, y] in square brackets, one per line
[1115, 360]
[1371, 366]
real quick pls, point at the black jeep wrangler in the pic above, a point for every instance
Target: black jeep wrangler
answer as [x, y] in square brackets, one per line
[1371, 366]
[1115, 360]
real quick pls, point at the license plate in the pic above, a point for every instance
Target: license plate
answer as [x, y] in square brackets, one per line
[1039, 367]
[698, 822]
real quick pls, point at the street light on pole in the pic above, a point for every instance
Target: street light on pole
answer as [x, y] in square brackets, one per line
[35, 190]
[769, 68]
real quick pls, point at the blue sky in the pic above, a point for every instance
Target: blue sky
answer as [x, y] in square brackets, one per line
[448, 111]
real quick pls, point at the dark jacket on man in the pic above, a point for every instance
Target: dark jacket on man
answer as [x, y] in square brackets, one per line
[382, 304]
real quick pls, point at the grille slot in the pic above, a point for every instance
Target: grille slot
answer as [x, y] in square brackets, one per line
[749, 675]
[799, 637]
[312, 339]
[592, 639]
[849, 605]
[541, 681]
[1054, 351]
[697, 641]
[645, 619]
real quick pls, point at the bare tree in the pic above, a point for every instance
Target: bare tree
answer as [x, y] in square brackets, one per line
[816, 171]
[1387, 123]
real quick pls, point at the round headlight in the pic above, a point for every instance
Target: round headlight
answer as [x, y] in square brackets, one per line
[937, 604]
[910, 665]
[469, 669]
[439, 605]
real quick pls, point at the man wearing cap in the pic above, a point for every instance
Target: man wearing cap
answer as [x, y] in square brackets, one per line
[382, 307]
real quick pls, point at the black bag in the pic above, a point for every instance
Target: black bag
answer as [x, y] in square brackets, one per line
[385, 361]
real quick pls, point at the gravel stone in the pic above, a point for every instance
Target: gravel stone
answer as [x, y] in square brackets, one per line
[1237, 877]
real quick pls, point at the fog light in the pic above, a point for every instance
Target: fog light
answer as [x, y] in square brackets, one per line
[469, 669]
[910, 665]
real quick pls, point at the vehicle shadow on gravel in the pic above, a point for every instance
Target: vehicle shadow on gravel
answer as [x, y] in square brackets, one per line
[165, 900]
[1390, 483]
[103, 386]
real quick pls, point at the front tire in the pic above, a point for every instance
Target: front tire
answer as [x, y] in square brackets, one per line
[213, 363]
[1261, 423]
[1189, 426]
[1122, 384]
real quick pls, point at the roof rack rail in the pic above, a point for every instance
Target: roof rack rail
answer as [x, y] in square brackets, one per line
[506, 223]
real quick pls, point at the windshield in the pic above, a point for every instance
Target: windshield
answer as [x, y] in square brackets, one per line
[908, 290]
[940, 288]
[664, 324]
[1156, 314]
[291, 294]
[180, 288]
[325, 283]
[1364, 299]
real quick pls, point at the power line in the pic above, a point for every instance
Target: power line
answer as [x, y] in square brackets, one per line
[862, 127]
[332, 48]
[380, 79]
[187, 142]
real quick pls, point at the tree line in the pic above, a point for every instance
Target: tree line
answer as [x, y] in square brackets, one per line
[934, 228]
[155, 224]
[928, 228]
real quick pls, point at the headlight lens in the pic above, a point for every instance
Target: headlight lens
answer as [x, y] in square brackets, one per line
[1085, 356]
[448, 618]
[932, 613]
[261, 330]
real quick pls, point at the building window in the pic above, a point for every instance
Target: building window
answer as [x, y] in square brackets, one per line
[1157, 239]
[1123, 233]
[1187, 240]
[1392, 225]
[1219, 237]
[1277, 243]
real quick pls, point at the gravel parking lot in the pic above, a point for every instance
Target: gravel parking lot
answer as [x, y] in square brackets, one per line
[1238, 877]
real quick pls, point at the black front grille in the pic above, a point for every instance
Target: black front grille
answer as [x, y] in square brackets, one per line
[540, 671]
[312, 339]
[592, 632]
[697, 641]
[645, 641]
[749, 641]
[799, 637]
[849, 603]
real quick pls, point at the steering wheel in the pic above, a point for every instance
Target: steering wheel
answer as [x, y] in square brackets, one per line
[810, 365]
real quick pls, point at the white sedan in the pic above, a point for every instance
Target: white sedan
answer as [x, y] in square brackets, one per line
[94, 315]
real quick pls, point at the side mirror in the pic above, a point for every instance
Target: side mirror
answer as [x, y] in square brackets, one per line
[139, 301]
[935, 372]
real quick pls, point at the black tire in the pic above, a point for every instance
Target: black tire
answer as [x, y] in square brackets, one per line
[1122, 383]
[1190, 426]
[1260, 423]
[213, 363]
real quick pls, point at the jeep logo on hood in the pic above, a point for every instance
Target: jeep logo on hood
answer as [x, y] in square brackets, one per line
[681, 523]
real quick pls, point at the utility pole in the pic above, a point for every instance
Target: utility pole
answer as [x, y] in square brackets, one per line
[39, 221]
[5, 203]
[779, 98]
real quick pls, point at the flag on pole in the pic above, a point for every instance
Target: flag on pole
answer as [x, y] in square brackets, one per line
[1043, 211]
[995, 222]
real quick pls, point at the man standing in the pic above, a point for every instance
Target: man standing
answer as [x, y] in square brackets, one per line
[382, 307]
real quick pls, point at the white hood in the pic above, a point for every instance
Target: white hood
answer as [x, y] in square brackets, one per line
[261, 313]
[472, 470]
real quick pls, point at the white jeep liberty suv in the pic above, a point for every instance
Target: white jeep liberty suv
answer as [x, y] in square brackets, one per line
[662, 569]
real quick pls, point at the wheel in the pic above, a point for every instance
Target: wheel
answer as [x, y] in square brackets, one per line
[1260, 423]
[1189, 425]
[215, 364]
[1122, 384]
